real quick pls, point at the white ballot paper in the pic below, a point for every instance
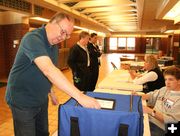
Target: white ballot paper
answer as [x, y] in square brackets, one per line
[106, 103]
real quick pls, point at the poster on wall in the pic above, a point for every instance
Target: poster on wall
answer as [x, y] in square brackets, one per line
[176, 44]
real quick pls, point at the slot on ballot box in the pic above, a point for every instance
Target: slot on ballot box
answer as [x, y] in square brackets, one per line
[121, 115]
[108, 104]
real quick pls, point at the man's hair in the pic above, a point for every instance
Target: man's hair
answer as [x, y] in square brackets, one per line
[93, 34]
[173, 71]
[60, 16]
[83, 34]
[149, 58]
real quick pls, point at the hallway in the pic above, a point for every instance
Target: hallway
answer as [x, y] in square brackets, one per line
[6, 123]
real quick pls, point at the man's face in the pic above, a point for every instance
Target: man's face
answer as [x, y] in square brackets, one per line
[171, 82]
[85, 40]
[62, 31]
[94, 39]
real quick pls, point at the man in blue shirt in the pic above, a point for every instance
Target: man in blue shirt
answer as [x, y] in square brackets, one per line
[33, 74]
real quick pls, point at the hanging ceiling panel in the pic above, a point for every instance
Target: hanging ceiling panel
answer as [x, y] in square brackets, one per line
[110, 13]
[103, 15]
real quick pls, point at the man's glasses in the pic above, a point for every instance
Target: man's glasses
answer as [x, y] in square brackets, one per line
[63, 32]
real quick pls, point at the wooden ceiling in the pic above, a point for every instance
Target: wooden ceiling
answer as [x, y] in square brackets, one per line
[112, 13]
[115, 16]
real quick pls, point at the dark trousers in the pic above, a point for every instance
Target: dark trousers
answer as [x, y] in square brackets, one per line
[155, 130]
[84, 80]
[94, 77]
[30, 121]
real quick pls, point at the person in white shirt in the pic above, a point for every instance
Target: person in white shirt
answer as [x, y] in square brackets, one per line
[152, 79]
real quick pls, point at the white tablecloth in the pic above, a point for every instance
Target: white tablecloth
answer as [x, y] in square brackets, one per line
[121, 80]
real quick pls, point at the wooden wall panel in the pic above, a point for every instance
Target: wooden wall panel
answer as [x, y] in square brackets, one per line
[74, 39]
[140, 45]
[164, 45]
[2, 55]
[176, 38]
[11, 33]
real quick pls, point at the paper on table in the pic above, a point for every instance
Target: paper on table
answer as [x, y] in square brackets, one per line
[119, 76]
[128, 80]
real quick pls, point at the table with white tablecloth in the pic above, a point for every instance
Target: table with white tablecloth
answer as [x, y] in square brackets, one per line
[121, 80]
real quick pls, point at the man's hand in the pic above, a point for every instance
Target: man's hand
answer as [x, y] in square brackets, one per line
[88, 102]
[54, 99]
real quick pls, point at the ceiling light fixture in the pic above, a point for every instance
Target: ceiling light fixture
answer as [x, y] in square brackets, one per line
[81, 28]
[174, 13]
[90, 31]
[40, 19]
[169, 31]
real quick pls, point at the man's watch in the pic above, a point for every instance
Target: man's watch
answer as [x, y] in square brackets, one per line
[153, 113]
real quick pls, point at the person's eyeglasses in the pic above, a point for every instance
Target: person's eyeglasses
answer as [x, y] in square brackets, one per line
[63, 32]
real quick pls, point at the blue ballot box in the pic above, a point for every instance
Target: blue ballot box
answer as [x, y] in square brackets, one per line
[121, 115]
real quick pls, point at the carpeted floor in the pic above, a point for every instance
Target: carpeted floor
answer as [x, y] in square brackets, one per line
[2, 84]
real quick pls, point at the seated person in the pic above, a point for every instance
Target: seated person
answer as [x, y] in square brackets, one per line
[159, 54]
[162, 56]
[152, 79]
[164, 103]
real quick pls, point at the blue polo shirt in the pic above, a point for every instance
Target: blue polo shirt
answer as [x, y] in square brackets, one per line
[27, 85]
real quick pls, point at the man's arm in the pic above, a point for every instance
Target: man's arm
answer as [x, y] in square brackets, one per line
[158, 115]
[144, 96]
[98, 51]
[60, 81]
